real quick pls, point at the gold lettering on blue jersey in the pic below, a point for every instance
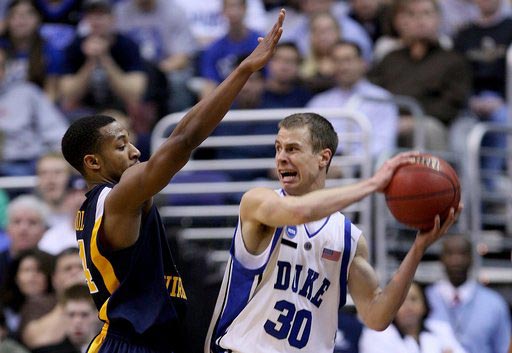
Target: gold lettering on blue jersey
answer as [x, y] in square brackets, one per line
[79, 220]
[177, 289]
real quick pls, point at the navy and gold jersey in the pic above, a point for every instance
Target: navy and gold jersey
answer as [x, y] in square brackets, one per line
[137, 290]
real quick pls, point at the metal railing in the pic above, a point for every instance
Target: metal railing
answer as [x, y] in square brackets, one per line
[489, 208]
[208, 233]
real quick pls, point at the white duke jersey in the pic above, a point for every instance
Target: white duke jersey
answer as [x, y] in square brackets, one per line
[286, 299]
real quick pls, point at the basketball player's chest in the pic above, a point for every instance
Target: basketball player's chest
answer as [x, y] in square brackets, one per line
[316, 246]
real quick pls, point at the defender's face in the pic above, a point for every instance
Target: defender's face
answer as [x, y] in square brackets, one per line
[117, 152]
[298, 167]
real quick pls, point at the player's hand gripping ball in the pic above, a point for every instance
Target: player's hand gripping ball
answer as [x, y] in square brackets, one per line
[421, 190]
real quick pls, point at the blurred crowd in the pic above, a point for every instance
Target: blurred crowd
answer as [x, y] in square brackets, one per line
[139, 60]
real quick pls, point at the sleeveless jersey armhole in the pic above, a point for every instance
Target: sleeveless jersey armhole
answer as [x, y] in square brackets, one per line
[100, 213]
[355, 234]
[246, 259]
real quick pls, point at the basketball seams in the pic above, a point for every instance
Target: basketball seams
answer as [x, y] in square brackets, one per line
[409, 196]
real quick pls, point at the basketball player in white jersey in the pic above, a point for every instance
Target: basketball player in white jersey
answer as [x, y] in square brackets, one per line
[294, 254]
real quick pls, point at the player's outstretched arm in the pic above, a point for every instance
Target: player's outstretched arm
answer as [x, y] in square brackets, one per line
[266, 207]
[141, 182]
[377, 307]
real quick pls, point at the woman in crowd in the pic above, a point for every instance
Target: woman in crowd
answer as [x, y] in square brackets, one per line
[411, 331]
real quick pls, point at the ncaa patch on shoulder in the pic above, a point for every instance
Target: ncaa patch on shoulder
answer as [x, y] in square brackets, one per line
[291, 231]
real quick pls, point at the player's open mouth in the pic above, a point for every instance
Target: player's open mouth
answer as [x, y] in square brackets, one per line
[288, 176]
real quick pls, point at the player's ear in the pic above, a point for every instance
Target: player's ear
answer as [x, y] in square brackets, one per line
[91, 162]
[325, 156]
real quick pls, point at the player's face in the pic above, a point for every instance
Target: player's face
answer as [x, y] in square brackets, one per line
[298, 167]
[25, 229]
[411, 312]
[81, 321]
[117, 153]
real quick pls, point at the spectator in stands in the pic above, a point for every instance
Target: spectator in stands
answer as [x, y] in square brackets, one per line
[484, 43]
[29, 56]
[439, 79]
[28, 279]
[300, 30]
[283, 86]
[60, 19]
[249, 97]
[478, 316]
[353, 91]
[411, 330]
[62, 235]
[371, 15]
[29, 125]
[317, 69]
[50, 328]
[103, 69]
[53, 175]
[457, 14]
[80, 321]
[26, 217]
[208, 23]
[220, 58]
[165, 40]
[8, 345]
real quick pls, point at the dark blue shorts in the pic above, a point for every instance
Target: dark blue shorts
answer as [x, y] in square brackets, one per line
[108, 342]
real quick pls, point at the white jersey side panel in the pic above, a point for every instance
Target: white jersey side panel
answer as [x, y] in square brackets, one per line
[291, 303]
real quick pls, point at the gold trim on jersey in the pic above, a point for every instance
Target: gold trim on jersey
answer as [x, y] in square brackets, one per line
[96, 344]
[101, 263]
[102, 314]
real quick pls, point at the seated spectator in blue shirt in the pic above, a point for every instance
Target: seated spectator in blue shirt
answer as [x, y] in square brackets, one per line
[479, 316]
[353, 91]
[220, 57]
[283, 87]
[30, 56]
[60, 19]
[103, 69]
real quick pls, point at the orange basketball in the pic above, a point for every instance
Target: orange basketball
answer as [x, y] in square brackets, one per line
[420, 191]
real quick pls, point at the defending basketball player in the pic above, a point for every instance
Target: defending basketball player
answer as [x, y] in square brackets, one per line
[127, 263]
[294, 254]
